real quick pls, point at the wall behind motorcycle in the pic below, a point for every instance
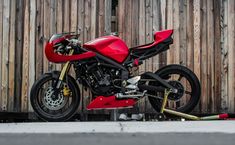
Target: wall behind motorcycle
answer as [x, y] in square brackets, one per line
[25, 26]
[203, 41]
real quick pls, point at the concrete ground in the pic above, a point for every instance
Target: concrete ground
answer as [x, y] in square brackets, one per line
[119, 133]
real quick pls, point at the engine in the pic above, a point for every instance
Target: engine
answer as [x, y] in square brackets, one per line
[101, 79]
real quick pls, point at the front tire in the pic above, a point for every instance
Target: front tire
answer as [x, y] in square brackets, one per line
[51, 107]
[174, 74]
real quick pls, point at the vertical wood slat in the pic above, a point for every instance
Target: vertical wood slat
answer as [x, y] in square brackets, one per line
[210, 55]
[149, 39]
[5, 55]
[87, 31]
[197, 32]
[141, 42]
[73, 17]
[224, 60]
[12, 56]
[204, 53]
[162, 59]
[26, 45]
[53, 16]
[101, 24]
[135, 23]
[183, 41]
[46, 31]
[156, 27]
[169, 21]
[107, 16]
[93, 19]
[231, 55]
[148, 30]
[18, 53]
[217, 56]
[127, 22]
[32, 43]
[1, 48]
[176, 26]
[39, 39]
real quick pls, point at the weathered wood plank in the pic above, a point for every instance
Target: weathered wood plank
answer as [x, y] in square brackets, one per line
[100, 28]
[87, 36]
[231, 51]
[197, 40]
[142, 41]
[66, 18]
[163, 55]
[121, 18]
[135, 23]
[156, 27]
[204, 53]
[73, 17]
[81, 15]
[39, 48]
[5, 55]
[46, 31]
[107, 14]
[183, 40]
[176, 22]
[59, 16]
[26, 47]
[190, 40]
[217, 56]
[149, 30]
[210, 55]
[32, 67]
[224, 55]
[12, 45]
[1, 48]
[93, 19]
[170, 25]
[87, 19]
[19, 53]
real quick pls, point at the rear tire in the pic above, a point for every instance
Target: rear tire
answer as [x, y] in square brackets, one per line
[164, 73]
[40, 99]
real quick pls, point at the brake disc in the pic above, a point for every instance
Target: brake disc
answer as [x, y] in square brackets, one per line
[52, 102]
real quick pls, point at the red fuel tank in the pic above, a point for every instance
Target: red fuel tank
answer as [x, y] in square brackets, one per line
[110, 46]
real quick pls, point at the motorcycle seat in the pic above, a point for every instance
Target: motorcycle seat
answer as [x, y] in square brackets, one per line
[159, 37]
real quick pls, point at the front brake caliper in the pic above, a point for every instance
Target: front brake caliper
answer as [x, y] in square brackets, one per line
[66, 91]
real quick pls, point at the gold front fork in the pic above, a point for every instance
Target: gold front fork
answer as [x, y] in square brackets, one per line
[66, 68]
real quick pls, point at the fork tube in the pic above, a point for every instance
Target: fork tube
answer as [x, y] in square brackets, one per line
[64, 70]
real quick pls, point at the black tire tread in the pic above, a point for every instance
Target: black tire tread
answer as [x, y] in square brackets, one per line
[192, 104]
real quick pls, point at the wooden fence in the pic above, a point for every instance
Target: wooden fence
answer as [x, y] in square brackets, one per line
[203, 41]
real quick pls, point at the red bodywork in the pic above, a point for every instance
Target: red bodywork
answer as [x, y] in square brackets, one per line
[158, 38]
[57, 58]
[109, 46]
[110, 102]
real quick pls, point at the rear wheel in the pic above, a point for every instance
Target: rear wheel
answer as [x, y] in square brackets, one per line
[52, 104]
[187, 84]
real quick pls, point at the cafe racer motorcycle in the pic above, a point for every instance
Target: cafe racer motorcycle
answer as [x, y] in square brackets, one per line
[109, 69]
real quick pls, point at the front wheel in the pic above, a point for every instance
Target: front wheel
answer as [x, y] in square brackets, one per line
[52, 104]
[187, 84]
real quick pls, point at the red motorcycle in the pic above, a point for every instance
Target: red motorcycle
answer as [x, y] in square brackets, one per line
[110, 70]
